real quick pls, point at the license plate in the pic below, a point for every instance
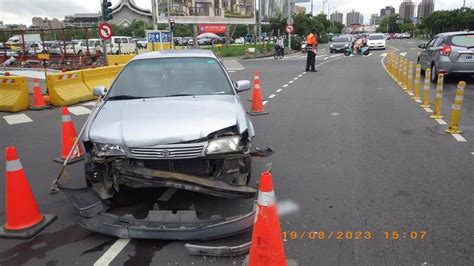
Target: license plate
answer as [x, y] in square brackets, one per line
[469, 58]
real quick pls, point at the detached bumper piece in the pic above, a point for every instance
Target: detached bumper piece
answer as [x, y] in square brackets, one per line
[159, 224]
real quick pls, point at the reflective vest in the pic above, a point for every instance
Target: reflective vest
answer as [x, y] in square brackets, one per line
[311, 40]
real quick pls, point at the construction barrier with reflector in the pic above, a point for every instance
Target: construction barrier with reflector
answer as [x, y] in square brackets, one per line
[68, 88]
[119, 59]
[13, 94]
[93, 77]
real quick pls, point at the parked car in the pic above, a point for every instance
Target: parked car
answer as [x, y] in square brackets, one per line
[341, 43]
[34, 48]
[121, 45]
[448, 53]
[239, 40]
[81, 47]
[184, 41]
[142, 43]
[376, 41]
[405, 35]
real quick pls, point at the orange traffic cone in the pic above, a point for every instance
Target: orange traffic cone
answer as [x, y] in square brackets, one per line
[257, 101]
[38, 100]
[266, 247]
[69, 136]
[256, 80]
[23, 218]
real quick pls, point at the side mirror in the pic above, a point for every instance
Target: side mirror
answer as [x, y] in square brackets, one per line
[99, 91]
[422, 46]
[243, 85]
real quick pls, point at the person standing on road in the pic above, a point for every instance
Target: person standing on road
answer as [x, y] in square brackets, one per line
[311, 44]
[281, 46]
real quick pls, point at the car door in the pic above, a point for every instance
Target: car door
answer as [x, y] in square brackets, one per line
[433, 51]
[424, 55]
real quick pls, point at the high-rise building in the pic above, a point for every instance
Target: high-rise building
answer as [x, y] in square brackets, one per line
[361, 19]
[388, 10]
[407, 10]
[375, 19]
[337, 17]
[352, 17]
[299, 9]
[425, 8]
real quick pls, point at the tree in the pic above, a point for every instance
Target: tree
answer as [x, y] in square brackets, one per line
[448, 20]
[389, 24]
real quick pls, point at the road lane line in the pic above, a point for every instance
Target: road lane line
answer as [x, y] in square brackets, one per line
[91, 103]
[418, 101]
[271, 96]
[428, 110]
[291, 81]
[112, 252]
[79, 110]
[441, 121]
[265, 102]
[295, 78]
[459, 137]
[286, 85]
[279, 90]
[17, 119]
[231, 71]
[325, 58]
[300, 75]
[383, 55]
[403, 54]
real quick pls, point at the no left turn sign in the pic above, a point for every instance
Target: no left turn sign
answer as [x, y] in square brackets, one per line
[105, 31]
[289, 28]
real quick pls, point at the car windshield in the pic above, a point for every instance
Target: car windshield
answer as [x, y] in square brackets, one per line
[168, 77]
[463, 40]
[376, 37]
[341, 40]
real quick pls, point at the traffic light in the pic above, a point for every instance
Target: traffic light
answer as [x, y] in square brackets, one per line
[172, 24]
[106, 10]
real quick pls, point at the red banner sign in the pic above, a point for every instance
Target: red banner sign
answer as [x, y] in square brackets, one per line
[214, 28]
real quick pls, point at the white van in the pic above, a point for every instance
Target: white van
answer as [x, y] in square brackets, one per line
[121, 45]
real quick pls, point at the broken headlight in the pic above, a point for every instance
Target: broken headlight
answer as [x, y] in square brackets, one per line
[223, 145]
[109, 150]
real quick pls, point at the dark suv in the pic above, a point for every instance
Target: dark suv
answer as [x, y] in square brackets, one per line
[341, 43]
[448, 53]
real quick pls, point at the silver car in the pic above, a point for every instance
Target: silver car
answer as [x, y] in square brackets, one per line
[448, 53]
[171, 119]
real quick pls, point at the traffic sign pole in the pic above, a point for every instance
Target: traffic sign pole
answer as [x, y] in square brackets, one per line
[105, 32]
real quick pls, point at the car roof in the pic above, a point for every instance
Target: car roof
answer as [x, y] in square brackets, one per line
[452, 33]
[176, 53]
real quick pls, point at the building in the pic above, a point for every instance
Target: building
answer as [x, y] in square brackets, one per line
[55, 24]
[375, 19]
[126, 11]
[361, 19]
[2, 26]
[425, 8]
[82, 20]
[15, 27]
[38, 22]
[45, 23]
[337, 17]
[299, 10]
[352, 17]
[407, 10]
[388, 10]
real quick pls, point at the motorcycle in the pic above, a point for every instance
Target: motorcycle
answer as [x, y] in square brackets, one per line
[364, 50]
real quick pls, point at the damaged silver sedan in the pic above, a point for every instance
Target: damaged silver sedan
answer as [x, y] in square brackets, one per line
[170, 119]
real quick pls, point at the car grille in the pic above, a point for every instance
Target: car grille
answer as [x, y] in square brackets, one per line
[339, 45]
[199, 167]
[169, 152]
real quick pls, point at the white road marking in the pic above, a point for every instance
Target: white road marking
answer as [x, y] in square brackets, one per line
[300, 75]
[383, 55]
[91, 103]
[295, 78]
[265, 102]
[271, 96]
[418, 101]
[286, 85]
[112, 252]
[325, 58]
[428, 110]
[324, 49]
[279, 90]
[472, 152]
[379, 88]
[291, 81]
[303, 73]
[403, 54]
[441, 121]
[459, 137]
[17, 119]
[79, 110]
[286, 207]
[231, 71]
[334, 114]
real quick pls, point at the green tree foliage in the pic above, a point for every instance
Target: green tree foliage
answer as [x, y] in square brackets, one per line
[391, 21]
[448, 20]
[135, 29]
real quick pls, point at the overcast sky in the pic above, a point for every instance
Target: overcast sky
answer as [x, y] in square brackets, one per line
[21, 11]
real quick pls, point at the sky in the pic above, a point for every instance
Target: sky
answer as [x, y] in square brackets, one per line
[22, 11]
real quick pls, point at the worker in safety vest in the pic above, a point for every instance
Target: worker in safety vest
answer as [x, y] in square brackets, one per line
[311, 44]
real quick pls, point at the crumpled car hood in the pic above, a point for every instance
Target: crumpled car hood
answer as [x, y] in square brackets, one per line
[157, 121]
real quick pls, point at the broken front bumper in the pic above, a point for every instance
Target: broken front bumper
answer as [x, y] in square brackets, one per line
[159, 224]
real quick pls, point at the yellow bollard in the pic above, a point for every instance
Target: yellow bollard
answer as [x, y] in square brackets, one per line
[405, 74]
[416, 92]
[456, 110]
[410, 79]
[395, 68]
[426, 89]
[400, 70]
[438, 98]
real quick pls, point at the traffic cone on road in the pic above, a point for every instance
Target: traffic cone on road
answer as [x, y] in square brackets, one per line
[69, 136]
[256, 80]
[266, 247]
[38, 100]
[257, 101]
[23, 217]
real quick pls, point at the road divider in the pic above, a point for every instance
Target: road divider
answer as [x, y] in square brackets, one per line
[426, 89]
[68, 88]
[13, 94]
[438, 98]
[456, 110]
[416, 92]
[405, 74]
[119, 59]
[410, 78]
[93, 77]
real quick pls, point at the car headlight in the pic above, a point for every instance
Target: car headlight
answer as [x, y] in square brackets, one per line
[109, 150]
[223, 145]
[332, 46]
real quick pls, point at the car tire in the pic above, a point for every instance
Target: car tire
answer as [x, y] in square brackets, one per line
[331, 51]
[434, 73]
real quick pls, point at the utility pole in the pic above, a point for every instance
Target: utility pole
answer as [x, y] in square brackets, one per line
[464, 3]
[154, 14]
[312, 8]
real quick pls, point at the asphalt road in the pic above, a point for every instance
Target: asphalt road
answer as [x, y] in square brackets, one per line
[351, 150]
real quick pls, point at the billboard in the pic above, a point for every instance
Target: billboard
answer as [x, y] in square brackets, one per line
[207, 11]
[214, 28]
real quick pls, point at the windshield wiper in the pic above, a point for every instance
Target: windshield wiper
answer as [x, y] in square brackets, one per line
[180, 94]
[125, 97]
